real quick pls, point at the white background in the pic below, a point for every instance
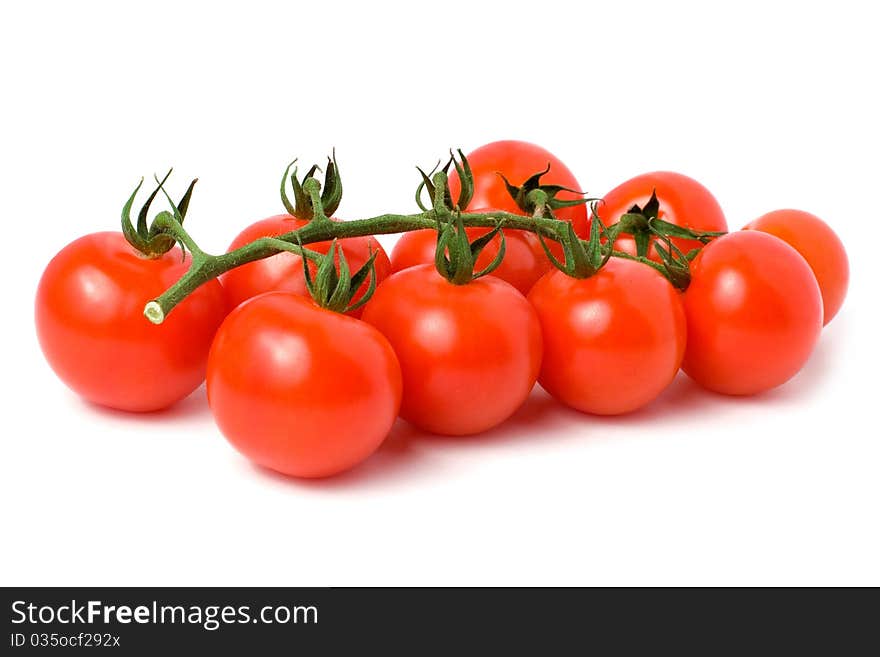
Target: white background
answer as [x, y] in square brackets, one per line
[768, 104]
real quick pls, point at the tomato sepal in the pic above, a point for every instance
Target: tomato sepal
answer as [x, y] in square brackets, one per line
[458, 266]
[644, 223]
[148, 238]
[336, 290]
[675, 263]
[465, 177]
[524, 197]
[312, 200]
[582, 259]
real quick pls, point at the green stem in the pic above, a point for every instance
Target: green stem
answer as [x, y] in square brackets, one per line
[205, 267]
[312, 187]
[166, 222]
[439, 201]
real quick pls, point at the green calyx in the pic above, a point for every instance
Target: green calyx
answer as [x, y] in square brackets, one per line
[646, 228]
[676, 264]
[150, 239]
[440, 194]
[311, 199]
[543, 204]
[335, 289]
[582, 258]
[643, 223]
[456, 255]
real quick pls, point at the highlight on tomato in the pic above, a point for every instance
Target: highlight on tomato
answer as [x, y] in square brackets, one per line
[284, 271]
[469, 344]
[662, 195]
[523, 263]
[819, 245]
[754, 314]
[90, 324]
[299, 387]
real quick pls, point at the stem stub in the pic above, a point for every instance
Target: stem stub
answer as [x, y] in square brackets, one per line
[153, 312]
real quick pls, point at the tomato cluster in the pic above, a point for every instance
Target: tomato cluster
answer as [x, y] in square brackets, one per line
[308, 367]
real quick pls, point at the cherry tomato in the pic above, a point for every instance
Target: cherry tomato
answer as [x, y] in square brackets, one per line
[91, 327]
[283, 272]
[754, 313]
[820, 247]
[613, 341]
[469, 353]
[683, 202]
[518, 161]
[523, 264]
[299, 389]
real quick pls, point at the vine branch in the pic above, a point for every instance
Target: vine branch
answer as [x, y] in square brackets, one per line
[205, 267]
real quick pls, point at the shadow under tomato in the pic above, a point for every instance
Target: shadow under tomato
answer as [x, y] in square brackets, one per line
[539, 418]
[544, 418]
[410, 452]
[400, 456]
[816, 373]
[193, 407]
[682, 400]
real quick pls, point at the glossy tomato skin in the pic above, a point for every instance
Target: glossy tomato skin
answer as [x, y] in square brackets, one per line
[469, 354]
[754, 314]
[91, 327]
[523, 264]
[284, 272]
[302, 390]
[683, 202]
[518, 161]
[819, 245]
[612, 342]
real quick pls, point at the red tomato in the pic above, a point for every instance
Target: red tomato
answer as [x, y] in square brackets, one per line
[523, 264]
[683, 202]
[518, 161]
[820, 247]
[613, 341]
[299, 389]
[469, 354]
[283, 272]
[754, 313]
[91, 327]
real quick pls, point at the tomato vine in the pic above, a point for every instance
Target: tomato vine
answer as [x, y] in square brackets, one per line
[582, 257]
